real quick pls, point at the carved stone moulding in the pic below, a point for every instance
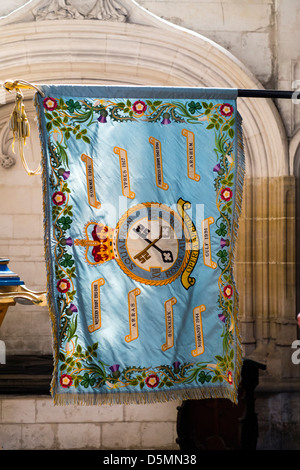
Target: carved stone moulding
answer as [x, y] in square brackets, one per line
[106, 10]
[36, 10]
[7, 158]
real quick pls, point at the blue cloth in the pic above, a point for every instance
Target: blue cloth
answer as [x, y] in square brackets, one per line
[142, 194]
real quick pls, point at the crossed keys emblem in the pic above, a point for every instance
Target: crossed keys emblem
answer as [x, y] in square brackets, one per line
[144, 255]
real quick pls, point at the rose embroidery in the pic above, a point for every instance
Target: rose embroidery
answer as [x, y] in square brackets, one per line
[152, 381]
[66, 381]
[229, 377]
[228, 291]
[63, 286]
[226, 194]
[139, 107]
[226, 109]
[58, 198]
[50, 104]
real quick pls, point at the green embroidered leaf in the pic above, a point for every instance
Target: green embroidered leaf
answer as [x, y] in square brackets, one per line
[72, 106]
[62, 357]
[169, 384]
[67, 261]
[222, 230]
[231, 133]
[65, 222]
[222, 255]
[134, 383]
[193, 107]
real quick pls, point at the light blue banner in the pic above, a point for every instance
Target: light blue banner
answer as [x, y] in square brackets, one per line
[142, 194]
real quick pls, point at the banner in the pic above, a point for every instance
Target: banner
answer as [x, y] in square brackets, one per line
[142, 194]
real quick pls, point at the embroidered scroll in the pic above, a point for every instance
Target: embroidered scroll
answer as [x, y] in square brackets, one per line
[142, 194]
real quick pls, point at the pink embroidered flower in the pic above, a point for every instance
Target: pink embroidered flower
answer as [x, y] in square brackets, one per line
[228, 291]
[50, 104]
[139, 107]
[66, 381]
[152, 381]
[63, 286]
[58, 198]
[226, 109]
[226, 194]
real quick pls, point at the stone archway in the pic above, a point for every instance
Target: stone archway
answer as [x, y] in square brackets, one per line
[60, 43]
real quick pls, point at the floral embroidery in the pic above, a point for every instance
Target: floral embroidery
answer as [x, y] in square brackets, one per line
[226, 194]
[115, 371]
[73, 106]
[228, 291]
[58, 198]
[66, 380]
[139, 107]
[63, 285]
[152, 381]
[229, 377]
[50, 104]
[226, 109]
[194, 107]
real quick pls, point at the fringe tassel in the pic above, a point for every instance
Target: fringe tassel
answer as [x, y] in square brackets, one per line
[140, 398]
[241, 169]
[18, 122]
[47, 254]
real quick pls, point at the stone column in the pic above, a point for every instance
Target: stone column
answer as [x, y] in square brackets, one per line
[265, 273]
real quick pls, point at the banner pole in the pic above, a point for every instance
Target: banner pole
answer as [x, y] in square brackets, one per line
[276, 94]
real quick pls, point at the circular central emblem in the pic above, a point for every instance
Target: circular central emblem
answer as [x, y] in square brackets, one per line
[151, 244]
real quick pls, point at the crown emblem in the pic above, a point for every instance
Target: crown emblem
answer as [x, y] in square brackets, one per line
[98, 243]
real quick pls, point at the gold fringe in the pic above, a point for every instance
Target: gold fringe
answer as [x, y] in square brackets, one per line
[47, 254]
[18, 122]
[241, 169]
[142, 398]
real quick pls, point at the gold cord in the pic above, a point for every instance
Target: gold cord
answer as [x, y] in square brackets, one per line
[18, 122]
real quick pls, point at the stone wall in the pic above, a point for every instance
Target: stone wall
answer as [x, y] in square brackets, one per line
[279, 420]
[246, 28]
[36, 424]
[263, 34]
